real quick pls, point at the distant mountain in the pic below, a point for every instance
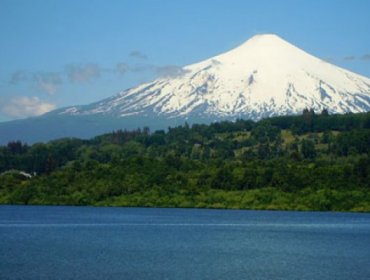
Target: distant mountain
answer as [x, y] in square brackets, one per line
[266, 76]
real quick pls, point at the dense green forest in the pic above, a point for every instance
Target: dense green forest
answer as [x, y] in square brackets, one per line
[307, 162]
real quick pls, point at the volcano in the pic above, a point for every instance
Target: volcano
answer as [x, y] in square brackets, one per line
[265, 76]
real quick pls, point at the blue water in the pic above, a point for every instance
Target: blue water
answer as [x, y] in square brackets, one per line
[137, 243]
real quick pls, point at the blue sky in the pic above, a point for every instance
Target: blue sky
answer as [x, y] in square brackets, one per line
[56, 53]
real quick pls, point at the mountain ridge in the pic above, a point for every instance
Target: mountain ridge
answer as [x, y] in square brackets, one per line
[263, 77]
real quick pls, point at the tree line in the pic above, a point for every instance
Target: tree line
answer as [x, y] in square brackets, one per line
[306, 162]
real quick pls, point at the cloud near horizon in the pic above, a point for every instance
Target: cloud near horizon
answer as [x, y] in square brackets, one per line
[83, 73]
[165, 71]
[48, 81]
[170, 71]
[350, 57]
[138, 54]
[365, 57]
[122, 68]
[23, 106]
[18, 76]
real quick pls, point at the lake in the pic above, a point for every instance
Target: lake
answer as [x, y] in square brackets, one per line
[50, 242]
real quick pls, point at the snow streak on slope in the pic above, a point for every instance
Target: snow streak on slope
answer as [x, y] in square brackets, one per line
[263, 77]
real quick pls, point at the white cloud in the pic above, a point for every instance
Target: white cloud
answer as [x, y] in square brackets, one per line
[23, 106]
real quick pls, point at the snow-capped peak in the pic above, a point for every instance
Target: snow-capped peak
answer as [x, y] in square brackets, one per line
[264, 76]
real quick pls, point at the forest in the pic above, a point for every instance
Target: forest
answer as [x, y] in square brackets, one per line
[312, 161]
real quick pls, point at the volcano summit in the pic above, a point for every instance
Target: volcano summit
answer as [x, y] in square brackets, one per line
[266, 76]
